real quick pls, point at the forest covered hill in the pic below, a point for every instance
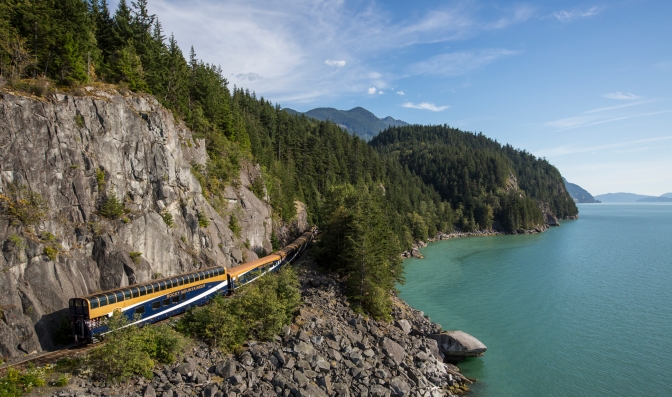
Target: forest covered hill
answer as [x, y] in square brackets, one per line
[370, 200]
[484, 181]
[358, 120]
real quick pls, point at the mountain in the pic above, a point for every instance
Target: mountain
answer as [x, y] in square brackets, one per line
[358, 120]
[579, 194]
[620, 197]
[661, 199]
[666, 195]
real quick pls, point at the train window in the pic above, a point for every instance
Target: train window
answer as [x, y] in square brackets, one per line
[156, 305]
[184, 296]
[139, 310]
[176, 298]
[191, 278]
[103, 300]
[166, 302]
[135, 292]
[169, 284]
[127, 294]
[120, 296]
[143, 290]
[155, 287]
[180, 281]
[162, 285]
[94, 303]
[111, 298]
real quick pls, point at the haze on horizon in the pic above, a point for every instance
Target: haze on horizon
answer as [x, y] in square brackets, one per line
[586, 84]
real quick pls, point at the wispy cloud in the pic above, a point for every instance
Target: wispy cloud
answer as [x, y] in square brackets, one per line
[571, 15]
[457, 63]
[424, 106]
[621, 96]
[249, 76]
[288, 43]
[331, 62]
[519, 14]
[401, 92]
[591, 120]
[627, 105]
[572, 149]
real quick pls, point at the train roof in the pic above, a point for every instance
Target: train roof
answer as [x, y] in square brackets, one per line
[150, 282]
[234, 271]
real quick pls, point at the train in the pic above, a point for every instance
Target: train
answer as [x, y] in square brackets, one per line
[157, 300]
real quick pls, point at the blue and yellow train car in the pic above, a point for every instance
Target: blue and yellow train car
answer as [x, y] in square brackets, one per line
[159, 299]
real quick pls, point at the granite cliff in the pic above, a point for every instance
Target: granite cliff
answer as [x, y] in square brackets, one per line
[73, 154]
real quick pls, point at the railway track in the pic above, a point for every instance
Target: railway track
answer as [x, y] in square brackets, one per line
[47, 357]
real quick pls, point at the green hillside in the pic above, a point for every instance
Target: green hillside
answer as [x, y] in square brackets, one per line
[484, 181]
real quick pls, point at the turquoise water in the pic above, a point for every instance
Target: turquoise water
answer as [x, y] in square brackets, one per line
[584, 309]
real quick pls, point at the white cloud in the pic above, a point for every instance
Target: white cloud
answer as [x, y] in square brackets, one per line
[457, 63]
[249, 76]
[401, 92]
[586, 121]
[288, 43]
[375, 75]
[621, 96]
[568, 16]
[424, 106]
[571, 149]
[331, 62]
[372, 90]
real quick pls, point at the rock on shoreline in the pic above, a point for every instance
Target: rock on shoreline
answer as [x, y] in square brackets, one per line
[329, 350]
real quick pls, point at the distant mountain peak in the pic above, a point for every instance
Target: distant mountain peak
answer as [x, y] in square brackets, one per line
[358, 120]
[579, 194]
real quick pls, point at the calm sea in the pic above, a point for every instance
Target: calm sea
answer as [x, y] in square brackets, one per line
[584, 309]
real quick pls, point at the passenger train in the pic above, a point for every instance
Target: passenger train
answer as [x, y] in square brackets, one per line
[159, 299]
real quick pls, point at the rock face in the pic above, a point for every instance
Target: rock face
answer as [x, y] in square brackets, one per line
[78, 151]
[456, 345]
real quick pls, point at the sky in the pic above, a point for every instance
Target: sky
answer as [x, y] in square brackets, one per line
[585, 84]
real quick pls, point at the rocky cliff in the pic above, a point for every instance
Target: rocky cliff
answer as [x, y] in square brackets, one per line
[63, 159]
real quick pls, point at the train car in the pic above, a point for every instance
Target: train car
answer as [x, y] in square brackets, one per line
[159, 299]
[147, 302]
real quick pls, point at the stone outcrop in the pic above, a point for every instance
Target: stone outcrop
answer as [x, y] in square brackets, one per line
[456, 345]
[77, 152]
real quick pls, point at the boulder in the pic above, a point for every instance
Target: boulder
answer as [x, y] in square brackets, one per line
[456, 345]
[393, 350]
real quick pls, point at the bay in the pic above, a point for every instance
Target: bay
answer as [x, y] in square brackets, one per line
[584, 309]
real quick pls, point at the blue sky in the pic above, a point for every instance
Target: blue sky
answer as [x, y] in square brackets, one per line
[588, 85]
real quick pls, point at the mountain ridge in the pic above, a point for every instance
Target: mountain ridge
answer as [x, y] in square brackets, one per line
[579, 194]
[623, 197]
[358, 120]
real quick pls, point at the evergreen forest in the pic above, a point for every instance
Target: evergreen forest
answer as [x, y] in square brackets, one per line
[371, 200]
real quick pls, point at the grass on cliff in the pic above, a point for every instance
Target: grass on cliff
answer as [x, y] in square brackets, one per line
[257, 311]
[15, 382]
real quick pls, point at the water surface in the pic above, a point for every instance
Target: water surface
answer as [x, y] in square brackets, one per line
[584, 309]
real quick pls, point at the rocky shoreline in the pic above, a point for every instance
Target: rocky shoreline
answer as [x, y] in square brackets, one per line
[329, 350]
